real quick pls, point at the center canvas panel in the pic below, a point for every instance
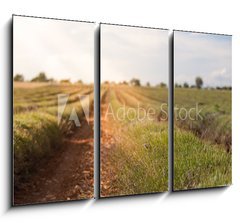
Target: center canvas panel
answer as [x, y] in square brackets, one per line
[134, 110]
[53, 74]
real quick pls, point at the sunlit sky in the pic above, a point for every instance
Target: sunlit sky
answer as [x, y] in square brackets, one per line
[61, 49]
[205, 55]
[131, 52]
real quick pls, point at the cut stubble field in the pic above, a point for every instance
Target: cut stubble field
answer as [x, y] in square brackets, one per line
[52, 161]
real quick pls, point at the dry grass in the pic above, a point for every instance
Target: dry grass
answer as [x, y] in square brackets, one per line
[29, 84]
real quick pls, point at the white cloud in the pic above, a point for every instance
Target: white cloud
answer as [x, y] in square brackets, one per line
[204, 55]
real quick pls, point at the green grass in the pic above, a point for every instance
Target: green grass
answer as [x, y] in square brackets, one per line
[141, 157]
[202, 147]
[199, 164]
[215, 106]
[35, 135]
[140, 153]
[206, 98]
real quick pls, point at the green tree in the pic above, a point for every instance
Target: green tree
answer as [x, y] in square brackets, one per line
[185, 85]
[40, 78]
[135, 82]
[18, 78]
[80, 82]
[178, 85]
[163, 85]
[199, 82]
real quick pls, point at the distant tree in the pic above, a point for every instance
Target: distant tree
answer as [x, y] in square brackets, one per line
[185, 85]
[106, 82]
[148, 84]
[135, 82]
[224, 88]
[123, 83]
[79, 82]
[199, 82]
[18, 78]
[227, 88]
[65, 81]
[178, 85]
[163, 85]
[192, 86]
[40, 78]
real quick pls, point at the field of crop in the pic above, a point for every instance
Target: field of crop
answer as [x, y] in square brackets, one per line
[134, 146]
[37, 134]
[134, 136]
[202, 145]
[134, 149]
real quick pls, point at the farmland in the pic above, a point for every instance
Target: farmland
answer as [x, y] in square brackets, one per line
[42, 143]
[134, 149]
[134, 146]
[202, 145]
[134, 141]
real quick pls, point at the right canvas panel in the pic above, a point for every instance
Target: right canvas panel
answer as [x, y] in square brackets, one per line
[202, 110]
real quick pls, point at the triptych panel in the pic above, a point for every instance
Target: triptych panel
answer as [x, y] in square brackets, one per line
[134, 111]
[202, 110]
[53, 110]
[53, 88]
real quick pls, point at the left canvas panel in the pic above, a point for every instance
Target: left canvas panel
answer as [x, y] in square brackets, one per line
[53, 84]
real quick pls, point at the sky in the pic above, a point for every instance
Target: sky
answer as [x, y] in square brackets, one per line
[133, 52]
[205, 55]
[61, 49]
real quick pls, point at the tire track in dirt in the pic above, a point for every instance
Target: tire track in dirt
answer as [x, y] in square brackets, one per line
[66, 175]
[107, 170]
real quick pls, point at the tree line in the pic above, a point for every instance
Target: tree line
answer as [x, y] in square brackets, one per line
[42, 77]
[199, 85]
[135, 82]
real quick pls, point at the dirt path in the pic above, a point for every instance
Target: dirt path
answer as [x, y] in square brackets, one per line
[108, 173]
[67, 175]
